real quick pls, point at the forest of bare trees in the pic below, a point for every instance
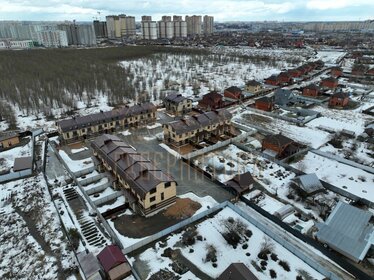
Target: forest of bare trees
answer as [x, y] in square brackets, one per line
[37, 80]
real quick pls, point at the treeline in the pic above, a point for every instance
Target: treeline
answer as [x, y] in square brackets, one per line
[38, 80]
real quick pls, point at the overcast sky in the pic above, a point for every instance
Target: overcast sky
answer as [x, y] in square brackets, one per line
[222, 10]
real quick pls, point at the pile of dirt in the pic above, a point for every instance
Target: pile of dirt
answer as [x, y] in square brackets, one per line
[183, 208]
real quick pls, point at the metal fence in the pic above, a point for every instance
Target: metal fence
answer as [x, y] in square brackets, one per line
[217, 145]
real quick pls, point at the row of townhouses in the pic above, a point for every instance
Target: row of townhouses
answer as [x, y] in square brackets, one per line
[82, 127]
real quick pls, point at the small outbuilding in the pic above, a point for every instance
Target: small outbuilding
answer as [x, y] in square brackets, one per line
[308, 184]
[8, 140]
[237, 271]
[22, 164]
[114, 262]
[241, 183]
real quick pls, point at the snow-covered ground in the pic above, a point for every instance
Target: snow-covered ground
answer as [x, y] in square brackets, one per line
[212, 231]
[350, 179]
[330, 57]
[21, 254]
[7, 157]
[76, 165]
[308, 135]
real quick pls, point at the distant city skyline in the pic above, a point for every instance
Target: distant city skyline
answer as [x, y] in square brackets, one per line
[222, 10]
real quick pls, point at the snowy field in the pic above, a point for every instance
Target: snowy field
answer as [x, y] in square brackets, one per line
[22, 253]
[350, 179]
[252, 241]
[76, 165]
[308, 135]
[330, 57]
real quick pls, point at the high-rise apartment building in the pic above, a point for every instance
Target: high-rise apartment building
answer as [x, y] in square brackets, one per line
[165, 28]
[208, 25]
[79, 34]
[52, 38]
[149, 28]
[193, 25]
[100, 29]
[120, 26]
[180, 27]
[127, 26]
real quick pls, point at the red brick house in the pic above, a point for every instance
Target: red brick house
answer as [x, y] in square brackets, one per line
[319, 64]
[331, 83]
[280, 145]
[233, 93]
[339, 99]
[303, 70]
[311, 90]
[295, 73]
[359, 70]
[285, 77]
[265, 103]
[370, 72]
[272, 80]
[211, 101]
[336, 72]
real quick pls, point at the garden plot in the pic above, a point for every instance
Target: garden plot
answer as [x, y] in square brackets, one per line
[330, 57]
[7, 157]
[32, 243]
[212, 245]
[76, 165]
[310, 136]
[197, 74]
[345, 177]
[353, 150]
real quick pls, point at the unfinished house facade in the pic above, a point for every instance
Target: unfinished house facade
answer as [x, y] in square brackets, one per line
[177, 104]
[200, 127]
[82, 127]
[147, 189]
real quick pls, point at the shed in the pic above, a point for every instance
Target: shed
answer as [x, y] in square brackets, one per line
[237, 271]
[114, 262]
[22, 163]
[241, 183]
[284, 211]
[348, 230]
[308, 184]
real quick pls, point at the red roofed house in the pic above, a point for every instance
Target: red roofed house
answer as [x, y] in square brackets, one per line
[331, 83]
[370, 72]
[295, 73]
[211, 101]
[273, 80]
[339, 99]
[114, 262]
[285, 77]
[279, 145]
[265, 103]
[233, 93]
[336, 72]
[311, 90]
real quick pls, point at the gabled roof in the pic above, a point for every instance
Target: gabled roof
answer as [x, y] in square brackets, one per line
[330, 79]
[348, 230]
[272, 78]
[233, 89]
[278, 140]
[200, 120]
[8, 136]
[140, 173]
[175, 97]
[309, 183]
[312, 86]
[253, 83]
[341, 95]
[283, 96]
[110, 257]
[241, 182]
[265, 99]
[102, 117]
[237, 271]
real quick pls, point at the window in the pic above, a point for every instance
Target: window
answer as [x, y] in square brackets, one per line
[153, 191]
[167, 184]
[162, 196]
[153, 198]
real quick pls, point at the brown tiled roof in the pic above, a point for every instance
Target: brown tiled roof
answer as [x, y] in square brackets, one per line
[103, 117]
[241, 182]
[175, 97]
[253, 83]
[233, 89]
[201, 120]
[340, 95]
[140, 173]
[278, 140]
[312, 86]
[237, 271]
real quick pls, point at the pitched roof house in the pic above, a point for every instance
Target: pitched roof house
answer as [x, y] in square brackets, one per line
[281, 145]
[114, 262]
[311, 90]
[237, 271]
[211, 101]
[233, 92]
[265, 103]
[308, 184]
[241, 183]
[339, 99]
